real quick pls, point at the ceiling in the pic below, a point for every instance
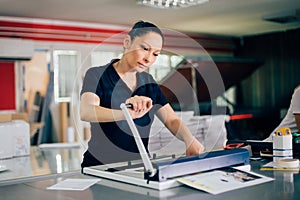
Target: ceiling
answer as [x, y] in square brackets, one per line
[218, 17]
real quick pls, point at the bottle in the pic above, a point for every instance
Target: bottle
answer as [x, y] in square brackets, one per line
[282, 144]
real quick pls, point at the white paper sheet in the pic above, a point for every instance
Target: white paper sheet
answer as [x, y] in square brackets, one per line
[74, 184]
[219, 181]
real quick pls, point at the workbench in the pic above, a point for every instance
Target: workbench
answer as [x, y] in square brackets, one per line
[286, 185]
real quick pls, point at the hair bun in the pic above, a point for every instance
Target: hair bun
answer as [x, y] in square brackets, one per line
[141, 28]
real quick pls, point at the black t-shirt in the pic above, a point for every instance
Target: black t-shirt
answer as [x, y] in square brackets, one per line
[113, 141]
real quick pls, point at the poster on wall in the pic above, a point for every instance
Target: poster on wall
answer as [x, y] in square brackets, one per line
[7, 86]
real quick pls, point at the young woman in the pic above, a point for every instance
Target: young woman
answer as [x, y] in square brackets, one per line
[126, 80]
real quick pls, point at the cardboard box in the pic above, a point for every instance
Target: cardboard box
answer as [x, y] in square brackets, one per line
[20, 116]
[8, 117]
[5, 118]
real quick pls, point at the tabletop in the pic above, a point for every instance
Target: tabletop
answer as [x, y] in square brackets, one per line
[41, 163]
[286, 185]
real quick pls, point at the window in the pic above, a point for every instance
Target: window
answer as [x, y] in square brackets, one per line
[66, 63]
[164, 65]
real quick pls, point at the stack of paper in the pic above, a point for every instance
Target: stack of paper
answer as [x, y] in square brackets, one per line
[209, 130]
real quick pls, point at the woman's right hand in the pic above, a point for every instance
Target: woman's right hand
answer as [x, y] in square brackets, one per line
[140, 106]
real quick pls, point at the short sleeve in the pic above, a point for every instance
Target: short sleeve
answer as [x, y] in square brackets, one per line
[91, 81]
[296, 101]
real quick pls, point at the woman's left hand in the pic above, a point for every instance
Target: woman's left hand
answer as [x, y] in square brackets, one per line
[194, 148]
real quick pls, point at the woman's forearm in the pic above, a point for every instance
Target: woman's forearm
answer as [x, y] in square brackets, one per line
[93, 113]
[181, 131]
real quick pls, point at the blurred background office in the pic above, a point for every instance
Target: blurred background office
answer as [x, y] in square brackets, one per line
[46, 47]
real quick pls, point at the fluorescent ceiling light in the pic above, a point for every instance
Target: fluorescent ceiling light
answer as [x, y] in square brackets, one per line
[170, 3]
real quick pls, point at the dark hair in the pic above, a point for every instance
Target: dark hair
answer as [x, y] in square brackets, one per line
[141, 28]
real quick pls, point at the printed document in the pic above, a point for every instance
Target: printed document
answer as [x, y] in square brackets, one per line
[223, 180]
